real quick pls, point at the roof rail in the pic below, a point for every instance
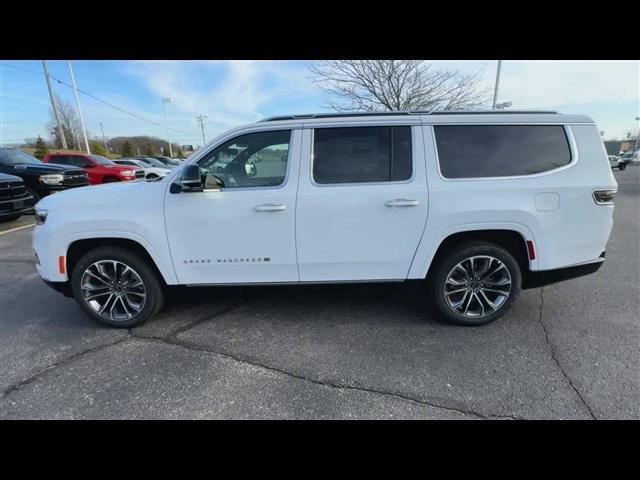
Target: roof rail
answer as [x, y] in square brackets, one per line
[403, 112]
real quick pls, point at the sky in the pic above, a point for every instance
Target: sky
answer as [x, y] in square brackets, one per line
[232, 93]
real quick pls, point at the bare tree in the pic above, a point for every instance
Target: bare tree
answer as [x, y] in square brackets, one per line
[70, 125]
[373, 85]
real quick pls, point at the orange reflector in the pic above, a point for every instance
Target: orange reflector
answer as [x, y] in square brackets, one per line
[532, 252]
[61, 263]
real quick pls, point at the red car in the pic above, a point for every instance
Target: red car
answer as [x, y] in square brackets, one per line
[99, 169]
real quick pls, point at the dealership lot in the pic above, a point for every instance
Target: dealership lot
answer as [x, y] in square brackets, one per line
[570, 350]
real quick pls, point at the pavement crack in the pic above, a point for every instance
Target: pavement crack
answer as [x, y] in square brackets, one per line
[61, 363]
[172, 340]
[552, 349]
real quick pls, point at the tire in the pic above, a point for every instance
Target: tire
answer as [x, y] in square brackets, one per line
[151, 176]
[622, 166]
[454, 265]
[129, 296]
[110, 180]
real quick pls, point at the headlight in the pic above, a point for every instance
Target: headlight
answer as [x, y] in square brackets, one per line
[55, 179]
[128, 173]
[41, 216]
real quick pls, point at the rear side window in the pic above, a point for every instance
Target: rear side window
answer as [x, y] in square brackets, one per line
[472, 151]
[361, 154]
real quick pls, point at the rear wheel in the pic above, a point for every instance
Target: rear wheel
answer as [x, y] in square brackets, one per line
[474, 283]
[116, 287]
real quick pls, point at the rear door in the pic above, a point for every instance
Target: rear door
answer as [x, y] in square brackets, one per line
[362, 202]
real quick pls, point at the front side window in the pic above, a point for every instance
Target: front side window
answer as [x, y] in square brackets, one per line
[253, 160]
[474, 151]
[361, 154]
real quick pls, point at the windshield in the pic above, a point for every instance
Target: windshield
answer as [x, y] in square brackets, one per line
[102, 160]
[12, 156]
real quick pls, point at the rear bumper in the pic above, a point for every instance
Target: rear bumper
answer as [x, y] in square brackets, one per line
[548, 277]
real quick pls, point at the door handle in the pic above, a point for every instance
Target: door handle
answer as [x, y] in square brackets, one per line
[269, 207]
[402, 202]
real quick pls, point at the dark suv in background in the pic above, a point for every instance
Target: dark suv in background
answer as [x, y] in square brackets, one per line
[40, 179]
[14, 199]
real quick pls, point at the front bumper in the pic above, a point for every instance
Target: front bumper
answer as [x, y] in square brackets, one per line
[15, 206]
[60, 287]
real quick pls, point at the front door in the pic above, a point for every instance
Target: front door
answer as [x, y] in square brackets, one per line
[242, 231]
[362, 203]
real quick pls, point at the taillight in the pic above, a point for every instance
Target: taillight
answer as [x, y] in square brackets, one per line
[605, 197]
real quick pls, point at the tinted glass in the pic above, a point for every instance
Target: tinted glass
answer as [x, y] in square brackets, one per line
[10, 156]
[253, 160]
[361, 154]
[472, 151]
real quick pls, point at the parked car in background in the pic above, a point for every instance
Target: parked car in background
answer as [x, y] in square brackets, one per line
[14, 198]
[630, 158]
[154, 162]
[151, 172]
[40, 179]
[99, 169]
[344, 198]
[614, 161]
[167, 160]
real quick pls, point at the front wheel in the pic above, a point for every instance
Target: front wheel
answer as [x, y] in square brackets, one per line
[116, 287]
[475, 283]
[622, 166]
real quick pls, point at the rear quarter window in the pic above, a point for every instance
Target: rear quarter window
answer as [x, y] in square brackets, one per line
[476, 151]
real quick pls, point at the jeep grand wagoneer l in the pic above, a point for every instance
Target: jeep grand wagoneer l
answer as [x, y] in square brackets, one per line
[477, 204]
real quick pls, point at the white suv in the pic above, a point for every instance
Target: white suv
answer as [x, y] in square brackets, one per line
[478, 204]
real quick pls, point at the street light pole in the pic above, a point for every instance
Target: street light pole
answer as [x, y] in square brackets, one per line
[635, 146]
[495, 92]
[166, 100]
[75, 90]
[104, 139]
[200, 119]
[53, 106]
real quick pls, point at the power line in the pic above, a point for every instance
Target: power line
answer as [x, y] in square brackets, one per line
[99, 99]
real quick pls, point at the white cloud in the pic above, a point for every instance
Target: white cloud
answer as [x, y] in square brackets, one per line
[230, 93]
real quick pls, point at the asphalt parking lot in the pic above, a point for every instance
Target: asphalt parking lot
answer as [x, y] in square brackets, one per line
[567, 351]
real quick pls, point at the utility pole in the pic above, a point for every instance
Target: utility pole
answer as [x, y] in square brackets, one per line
[75, 91]
[53, 105]
[495, 92]
[166, 100]
[104, 139]
[200, 119]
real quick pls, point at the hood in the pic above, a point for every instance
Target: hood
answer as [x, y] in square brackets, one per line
[44, 168]
[5, 177]
[105, 195]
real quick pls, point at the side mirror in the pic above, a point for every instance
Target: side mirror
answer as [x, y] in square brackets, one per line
[88, 165]
[189, 181]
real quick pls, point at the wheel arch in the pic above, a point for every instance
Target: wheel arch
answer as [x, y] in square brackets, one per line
[78, 247]
[511, 237]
